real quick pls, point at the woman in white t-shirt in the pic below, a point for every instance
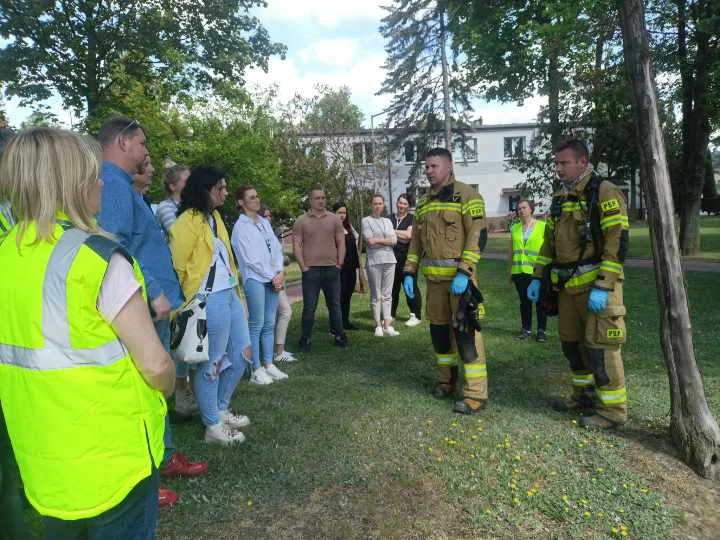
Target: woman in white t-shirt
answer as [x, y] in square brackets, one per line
[204, 264]
[380, 238]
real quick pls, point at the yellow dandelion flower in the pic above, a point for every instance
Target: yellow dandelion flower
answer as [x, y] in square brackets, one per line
[613, 530]
[623, 533]
[565, 498]
[516, 500]
[574, 422]
[250, 502]
[599, 470]
[586, 514]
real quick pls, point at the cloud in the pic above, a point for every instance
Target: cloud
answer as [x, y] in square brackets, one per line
[324, 13]
[363, 76]
[335, 52]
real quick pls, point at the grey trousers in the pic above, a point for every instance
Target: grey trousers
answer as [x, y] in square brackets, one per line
[380, 280]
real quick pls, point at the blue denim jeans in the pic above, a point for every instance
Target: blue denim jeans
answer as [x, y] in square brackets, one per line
[163, 331]
[213, 382]
[134, 518]
[262, 307]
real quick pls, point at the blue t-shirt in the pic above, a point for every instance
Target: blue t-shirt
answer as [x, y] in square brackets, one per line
[125, 214]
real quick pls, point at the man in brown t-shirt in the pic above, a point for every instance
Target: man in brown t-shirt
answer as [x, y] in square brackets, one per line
[319, 246]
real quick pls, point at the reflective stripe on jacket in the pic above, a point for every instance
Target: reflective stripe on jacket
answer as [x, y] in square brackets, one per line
[524, 254]
[447, 228]
[84, 425]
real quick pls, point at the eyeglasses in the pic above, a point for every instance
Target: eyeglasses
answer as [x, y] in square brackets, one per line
[132, 123]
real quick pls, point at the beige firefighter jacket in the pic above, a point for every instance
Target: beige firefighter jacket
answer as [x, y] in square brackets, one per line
[446, 233]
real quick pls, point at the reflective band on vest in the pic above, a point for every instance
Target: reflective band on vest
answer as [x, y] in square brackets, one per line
[612, 397]
[98, 426]
[439, 267]
[525, 254]
[447, 359]
[475, 371]
[582, 380]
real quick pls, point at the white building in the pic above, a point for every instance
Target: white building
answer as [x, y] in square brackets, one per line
[481, 160]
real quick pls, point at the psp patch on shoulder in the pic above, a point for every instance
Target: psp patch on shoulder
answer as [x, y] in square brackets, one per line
[612, 204]
[615, 333]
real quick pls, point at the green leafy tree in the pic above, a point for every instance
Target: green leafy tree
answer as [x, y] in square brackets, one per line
[78, 48]
[332, 111]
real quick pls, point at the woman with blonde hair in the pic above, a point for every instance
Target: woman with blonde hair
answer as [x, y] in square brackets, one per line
[380, 238]
[80, 354]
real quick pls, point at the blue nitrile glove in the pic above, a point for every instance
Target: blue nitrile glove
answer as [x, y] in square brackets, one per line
[597, 301]
[533, 290]
[459, 284]
[409, 287]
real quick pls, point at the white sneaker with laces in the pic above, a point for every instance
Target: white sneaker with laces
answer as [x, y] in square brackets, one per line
[235, 421]
[260, 377]
[223, 434]
[390, 331]
[274, 373]
[185, 402]
[378, 331]
[285, 356]
[413, 320]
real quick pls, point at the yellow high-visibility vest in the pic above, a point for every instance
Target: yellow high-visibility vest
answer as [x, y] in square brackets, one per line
[524, 254]
[85, 427]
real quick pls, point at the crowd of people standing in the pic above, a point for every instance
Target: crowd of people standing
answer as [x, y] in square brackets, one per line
[94, 274]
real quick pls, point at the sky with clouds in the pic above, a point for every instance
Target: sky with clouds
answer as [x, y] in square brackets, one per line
[334, 43]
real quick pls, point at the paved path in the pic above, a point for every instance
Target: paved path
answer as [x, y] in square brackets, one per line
[688, 266]
[294, 289]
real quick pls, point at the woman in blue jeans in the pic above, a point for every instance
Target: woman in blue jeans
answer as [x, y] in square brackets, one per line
[260, 256]
[200, 249]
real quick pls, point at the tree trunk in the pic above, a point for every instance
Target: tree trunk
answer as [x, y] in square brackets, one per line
[447, 112]
[553, 85]
[692, 426]
[695, 79]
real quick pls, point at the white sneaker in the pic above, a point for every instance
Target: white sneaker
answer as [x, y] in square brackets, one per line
[285, 356]
[413, 320]
[260, 377]
[185, 403]
[378, 331]
[390, 331]
[274, 373]
[223, 434]
[235, 421]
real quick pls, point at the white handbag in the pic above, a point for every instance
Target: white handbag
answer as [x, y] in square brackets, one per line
[188, 329]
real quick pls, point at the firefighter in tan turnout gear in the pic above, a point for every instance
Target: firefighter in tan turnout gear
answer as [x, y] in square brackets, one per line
[586, 240]
[449, 224]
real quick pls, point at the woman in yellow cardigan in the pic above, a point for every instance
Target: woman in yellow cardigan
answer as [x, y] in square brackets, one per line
[202, 257]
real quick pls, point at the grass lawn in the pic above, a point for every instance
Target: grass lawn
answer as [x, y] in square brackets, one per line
[640, 240]
[353, 445]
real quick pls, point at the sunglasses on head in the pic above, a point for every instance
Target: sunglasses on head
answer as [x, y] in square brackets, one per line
[131, 124]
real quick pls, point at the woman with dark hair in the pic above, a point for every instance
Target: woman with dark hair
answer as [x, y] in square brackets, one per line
[402, 222]
[527, 238]
[350, 266]
[261, 262]
[201, 250]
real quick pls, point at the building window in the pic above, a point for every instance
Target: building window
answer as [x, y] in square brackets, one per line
[363, 153]
[409, 149]
[514, 147]
[369, 153]
[414, 151]
[357, 149]
[465, 150]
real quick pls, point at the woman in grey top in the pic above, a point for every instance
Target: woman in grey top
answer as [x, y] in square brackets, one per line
[380, 238]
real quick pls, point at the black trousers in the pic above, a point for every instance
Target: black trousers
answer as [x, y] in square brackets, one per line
[348, 280]
[414, 304]
[327, 280]
[522, 281]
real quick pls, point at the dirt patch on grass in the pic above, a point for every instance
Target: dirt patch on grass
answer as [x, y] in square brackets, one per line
[382, 509]
[696, 499]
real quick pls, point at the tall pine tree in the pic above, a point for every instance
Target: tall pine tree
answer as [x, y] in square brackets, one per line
[427, 87]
